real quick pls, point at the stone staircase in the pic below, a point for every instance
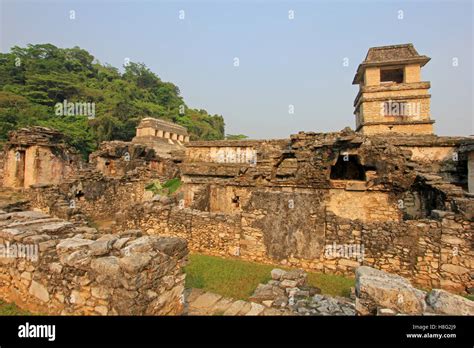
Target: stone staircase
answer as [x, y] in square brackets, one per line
[200, 302]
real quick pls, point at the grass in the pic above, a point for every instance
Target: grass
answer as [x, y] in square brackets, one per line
[168, 188]
[238, 279]
[469, 297]
[172, 185]
[331, 284]
[11, 309]
[228, 277]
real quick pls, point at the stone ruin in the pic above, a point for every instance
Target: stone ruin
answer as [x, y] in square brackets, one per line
[52, 266]
[391, 196]
[166, 138]
[37, 155]
[376, 293]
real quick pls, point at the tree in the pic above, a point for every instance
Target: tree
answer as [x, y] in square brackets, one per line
[35, 78]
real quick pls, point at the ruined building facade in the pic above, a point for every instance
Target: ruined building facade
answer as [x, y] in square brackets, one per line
[35, 156]
[166, 138]
[391, 195]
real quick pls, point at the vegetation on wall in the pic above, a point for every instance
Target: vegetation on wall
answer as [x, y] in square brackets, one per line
[236, 137]
[168, 188]
[38, 80]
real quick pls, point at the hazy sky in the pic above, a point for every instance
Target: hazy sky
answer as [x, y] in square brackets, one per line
[283, 61]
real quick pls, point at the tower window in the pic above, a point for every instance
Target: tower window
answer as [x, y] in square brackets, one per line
[347, 167]
[391, 75]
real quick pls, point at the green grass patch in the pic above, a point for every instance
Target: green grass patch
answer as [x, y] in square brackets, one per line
[11, 309]
[227, 277]
[168, 188]
[172, 185]
[238, 279]
[331, 284]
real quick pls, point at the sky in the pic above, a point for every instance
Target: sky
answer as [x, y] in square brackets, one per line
[303, 64]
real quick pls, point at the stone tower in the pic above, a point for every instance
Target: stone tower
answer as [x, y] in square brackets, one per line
[392, 98]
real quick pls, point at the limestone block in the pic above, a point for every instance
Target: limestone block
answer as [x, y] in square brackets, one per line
[443, 302]
[377, 289]
[39, 291]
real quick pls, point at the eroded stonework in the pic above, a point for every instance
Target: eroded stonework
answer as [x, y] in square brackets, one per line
[52, 266]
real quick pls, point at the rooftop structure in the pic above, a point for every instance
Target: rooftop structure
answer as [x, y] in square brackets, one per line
[392, 98]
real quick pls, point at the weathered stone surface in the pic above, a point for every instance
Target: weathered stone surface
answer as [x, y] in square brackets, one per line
[288, 283]
[39, 291]
[73, 244]
[277, 273]
[55, 227]
[135, 262]
[101, 247]
[206, 300]
[108, 266]
[171, 245]
[454, 269]
[84, 275]
[376, 289]
[265, 292]
[252, 309]
[80, 259]
[100, 292]
[139, 245]
[386, 312]
[235, 308]
[443, 302]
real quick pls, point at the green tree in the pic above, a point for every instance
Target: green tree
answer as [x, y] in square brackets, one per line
[33, 79]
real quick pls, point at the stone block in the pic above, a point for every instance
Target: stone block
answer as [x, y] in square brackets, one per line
[39, 291]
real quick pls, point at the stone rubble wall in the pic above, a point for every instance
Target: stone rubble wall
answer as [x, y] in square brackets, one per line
[90, 198]
[79, 271]
[431, 253]
[105, 188]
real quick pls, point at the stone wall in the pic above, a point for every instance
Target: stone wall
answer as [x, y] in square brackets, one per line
[55, 267]
[471, 172]
[407, 212]
[119, 158]
[115, 179]
[98, 198]
[245, 153]
[432, 253]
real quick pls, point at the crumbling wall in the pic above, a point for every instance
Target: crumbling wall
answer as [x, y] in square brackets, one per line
[105, 188]
[38, 155]
[119, 158]
[95, 198]
[211, 233]
[68, 269]
[432, 253]
[329, 202]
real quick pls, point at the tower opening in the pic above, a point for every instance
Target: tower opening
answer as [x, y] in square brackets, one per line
[391, 75]
[347, 168]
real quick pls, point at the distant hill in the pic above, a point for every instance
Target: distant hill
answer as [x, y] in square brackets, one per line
[69, 90]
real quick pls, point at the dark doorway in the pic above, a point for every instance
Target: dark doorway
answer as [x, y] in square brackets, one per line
[20, 163]
[347, 167]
